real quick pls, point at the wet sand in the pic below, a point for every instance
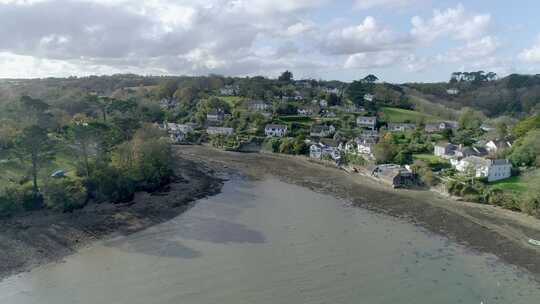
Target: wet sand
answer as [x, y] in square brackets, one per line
[484, 228]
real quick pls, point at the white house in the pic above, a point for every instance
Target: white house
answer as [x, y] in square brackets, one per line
[369, 122]
[304, 112]
[219, 131]
[441, 126]
[229, 90]
[365, 146]
[322, 131]
[275, 130]
[445, 150]
[494, 146]
[216, 115]
[173, 127]
[400, 127]
[320, 150]
[168, 103]
[493, 170]
[323, 103]
[257, 106]
[452, 91]
[332, 91]
[369, 97]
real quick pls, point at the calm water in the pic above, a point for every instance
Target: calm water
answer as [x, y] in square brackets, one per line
[270, 242]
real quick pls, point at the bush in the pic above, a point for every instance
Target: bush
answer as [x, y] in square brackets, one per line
[530, 204]
[353, 159]
[9, 202]
[30, 200]
[64, 194]
[109, 183]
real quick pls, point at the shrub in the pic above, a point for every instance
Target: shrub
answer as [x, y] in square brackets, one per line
[9, 202]
[30, 200]
[530, 204]
[64, 194]
[353, 159]
[109, 183]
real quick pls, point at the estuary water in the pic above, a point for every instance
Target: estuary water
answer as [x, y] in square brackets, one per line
[272, 242]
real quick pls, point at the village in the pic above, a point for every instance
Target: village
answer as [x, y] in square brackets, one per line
[396, 146]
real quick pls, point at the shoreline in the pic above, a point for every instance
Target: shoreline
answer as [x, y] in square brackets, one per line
[44, 237]
[36, 238]
[483, 228]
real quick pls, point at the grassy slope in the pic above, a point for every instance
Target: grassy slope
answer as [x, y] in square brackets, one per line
[13, 171]
[514, 184]
[396, 115]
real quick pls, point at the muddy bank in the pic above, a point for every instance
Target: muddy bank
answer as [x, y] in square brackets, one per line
[484, 228]
[41, 237]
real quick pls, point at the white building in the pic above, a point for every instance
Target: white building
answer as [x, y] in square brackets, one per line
[369, 97]
[274, 130]
[322, 131]
[319, 151]
[369, 122]
[257, 106]
[445, 150]
[493, 170]
[219, 131]
[452, 91]
[494, 146]
[401, 127]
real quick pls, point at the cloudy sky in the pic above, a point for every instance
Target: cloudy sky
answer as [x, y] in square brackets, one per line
[398, 40]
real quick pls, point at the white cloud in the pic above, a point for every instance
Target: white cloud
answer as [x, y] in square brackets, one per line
[477, 49]
[374, 59]
[532, 54]
[367, 4]
[368, 36]
[453, 22]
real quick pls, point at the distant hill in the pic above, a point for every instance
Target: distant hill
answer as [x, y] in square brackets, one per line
[513, 95]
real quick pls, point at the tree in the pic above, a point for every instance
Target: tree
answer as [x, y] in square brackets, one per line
[85, 135]
[470, 120]
[356, 92]
[286, 76]
[167, 88]
[385, 150]
[34, 146]
[101, 104]
[527, 150]
[370, 78]
[34, 110]
[524, 126]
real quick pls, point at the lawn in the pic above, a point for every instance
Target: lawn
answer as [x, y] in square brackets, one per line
[12, 171]
[233, 101]
[396, 115]
[514, 184]
[302, 120]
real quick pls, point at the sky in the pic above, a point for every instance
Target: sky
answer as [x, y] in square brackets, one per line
[397, 40]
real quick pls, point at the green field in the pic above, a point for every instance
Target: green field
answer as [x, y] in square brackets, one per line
[514, 184]
[13, 171]
[396, 115]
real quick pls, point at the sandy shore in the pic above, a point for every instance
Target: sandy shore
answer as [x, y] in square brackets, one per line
[484, 228]
[42, 237]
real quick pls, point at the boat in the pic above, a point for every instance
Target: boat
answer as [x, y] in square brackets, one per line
[534, 242]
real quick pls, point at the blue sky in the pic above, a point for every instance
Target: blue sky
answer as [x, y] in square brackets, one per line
[398, 40]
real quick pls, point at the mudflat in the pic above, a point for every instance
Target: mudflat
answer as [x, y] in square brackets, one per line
[41, 237]
[483, 228]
